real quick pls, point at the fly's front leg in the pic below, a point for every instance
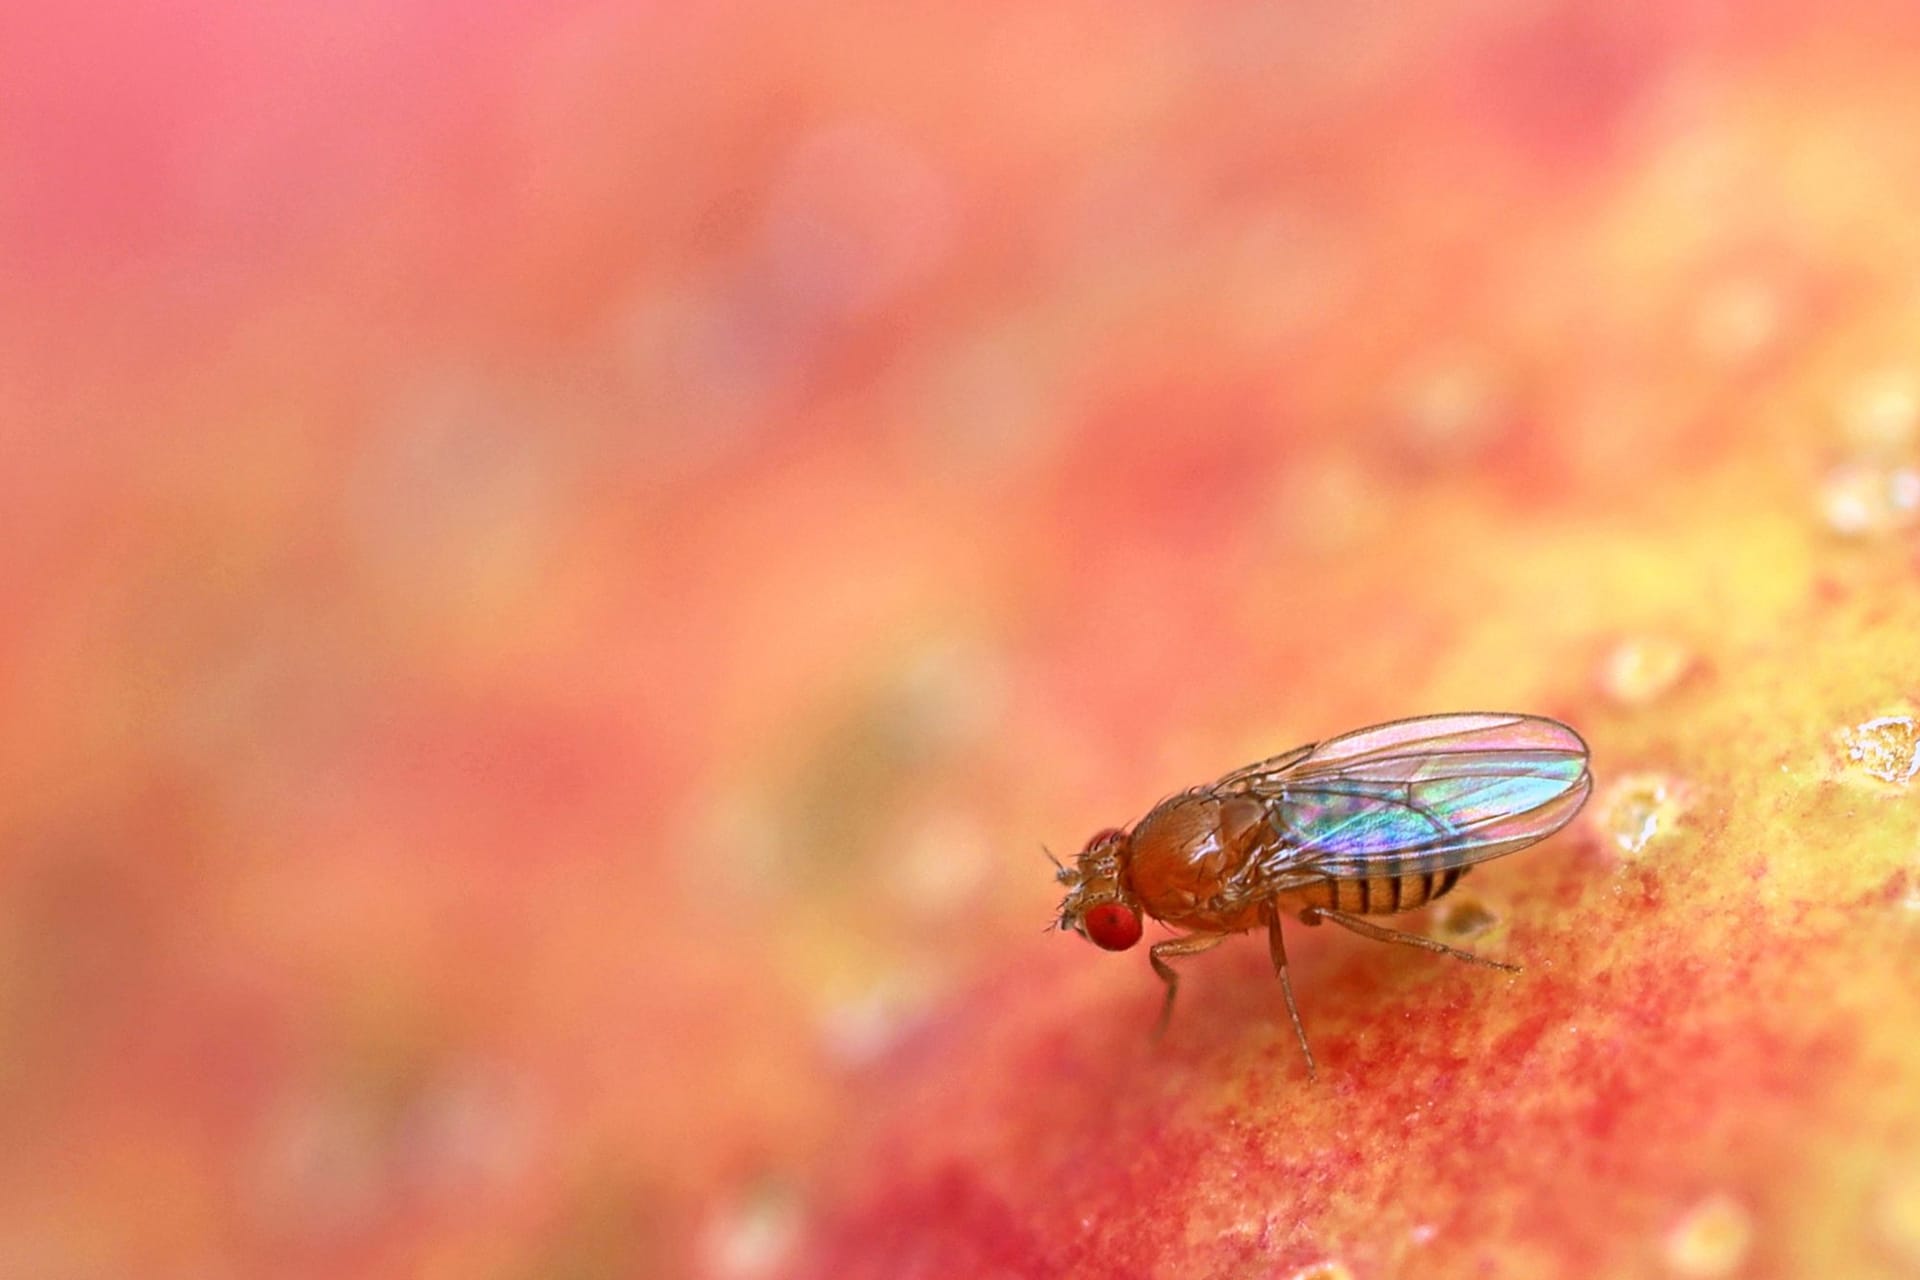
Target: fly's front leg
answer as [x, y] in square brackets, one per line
[1277, 948]
[1160, 952]
[1380, 933]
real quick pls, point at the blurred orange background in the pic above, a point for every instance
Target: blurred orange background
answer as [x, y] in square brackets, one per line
[566, 559]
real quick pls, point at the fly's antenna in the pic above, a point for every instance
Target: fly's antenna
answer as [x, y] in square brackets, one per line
[1062, 873]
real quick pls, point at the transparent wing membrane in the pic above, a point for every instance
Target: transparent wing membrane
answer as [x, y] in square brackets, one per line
[1420, 795]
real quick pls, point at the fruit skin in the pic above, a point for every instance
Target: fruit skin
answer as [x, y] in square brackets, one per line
[561, 569]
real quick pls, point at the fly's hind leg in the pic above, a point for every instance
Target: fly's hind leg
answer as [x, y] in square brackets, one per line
[1160, 952]
[1380, 933]
[1277, 948]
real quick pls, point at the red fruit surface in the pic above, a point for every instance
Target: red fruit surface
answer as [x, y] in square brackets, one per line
[565, 561]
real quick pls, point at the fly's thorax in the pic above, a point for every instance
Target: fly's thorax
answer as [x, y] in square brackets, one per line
[1194, 858]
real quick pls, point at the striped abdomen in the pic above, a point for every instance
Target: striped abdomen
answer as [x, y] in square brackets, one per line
[1379, 895]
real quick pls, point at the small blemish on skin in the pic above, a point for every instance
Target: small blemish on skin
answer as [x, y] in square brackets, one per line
[1640, 669]
[1902, 888]
[1462, 918]
[1886, 748]
[1711, 1239]
[1639, 809]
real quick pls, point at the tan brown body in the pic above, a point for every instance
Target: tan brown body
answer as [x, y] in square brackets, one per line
[1212, 862]
[1381, 820]
[1204, 862]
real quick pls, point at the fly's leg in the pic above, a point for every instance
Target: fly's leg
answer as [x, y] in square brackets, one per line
[1380, 933]
[1160, 952]
[1278, 949]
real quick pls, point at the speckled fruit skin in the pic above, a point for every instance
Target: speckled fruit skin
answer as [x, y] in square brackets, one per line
[1710, 1065]
[1728, 1012]
[563, 561]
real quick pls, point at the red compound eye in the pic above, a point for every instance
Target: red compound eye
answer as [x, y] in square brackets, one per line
[1101, 837]
[1112, 926]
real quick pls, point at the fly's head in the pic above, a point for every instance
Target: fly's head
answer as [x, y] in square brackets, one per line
[1098, 906]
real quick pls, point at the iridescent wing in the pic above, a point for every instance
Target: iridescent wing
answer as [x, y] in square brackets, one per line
[1418, 795]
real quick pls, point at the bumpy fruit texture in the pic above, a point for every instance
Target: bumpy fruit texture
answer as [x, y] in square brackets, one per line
[564, 564]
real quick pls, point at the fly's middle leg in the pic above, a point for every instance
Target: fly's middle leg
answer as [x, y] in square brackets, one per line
[1277, 948]
[1160, 952]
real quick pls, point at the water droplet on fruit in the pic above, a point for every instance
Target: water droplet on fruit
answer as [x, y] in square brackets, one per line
[1866, 497]
[1886, 748]
[1462, 918]
[1711, 1239]
[1640, 669]
[1638, 809]
[1328, 1270]
[755, 1236]
[1896, 1215]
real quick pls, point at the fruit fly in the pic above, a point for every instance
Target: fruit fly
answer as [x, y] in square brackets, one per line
[1372, 822]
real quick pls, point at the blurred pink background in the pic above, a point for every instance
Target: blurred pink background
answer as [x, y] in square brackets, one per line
[563, 559]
